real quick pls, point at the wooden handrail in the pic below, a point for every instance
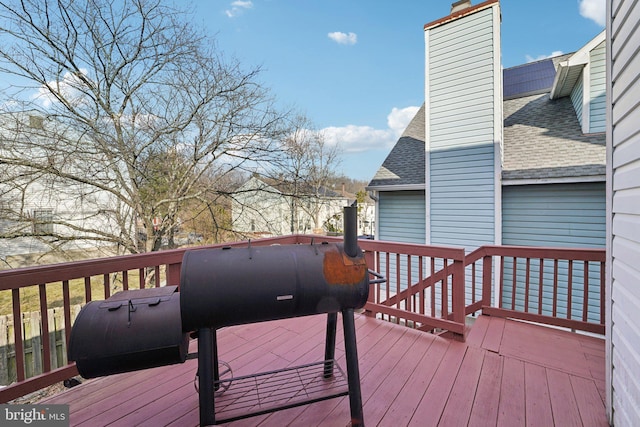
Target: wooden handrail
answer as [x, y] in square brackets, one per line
[435, 279]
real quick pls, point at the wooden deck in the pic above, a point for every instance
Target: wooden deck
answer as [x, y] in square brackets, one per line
[508, 373]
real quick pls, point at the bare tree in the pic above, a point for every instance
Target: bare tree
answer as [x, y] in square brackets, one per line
[305, 170]
[119, 115]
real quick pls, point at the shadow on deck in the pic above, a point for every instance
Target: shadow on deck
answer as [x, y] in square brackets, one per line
[506, 373]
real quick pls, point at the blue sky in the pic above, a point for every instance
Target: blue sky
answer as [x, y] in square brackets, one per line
[356, 67]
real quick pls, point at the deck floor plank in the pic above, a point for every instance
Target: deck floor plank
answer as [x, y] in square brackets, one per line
[458, 408]
[586, 393]
[511, 410]
[433, 401]
[537, 400]
[403, 405]
[485, 404]
[563, 402]
[493, 336]
[408, 377]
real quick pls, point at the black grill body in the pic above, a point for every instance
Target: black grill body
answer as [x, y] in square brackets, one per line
[140, 329]
[229, 286]
[129, 331]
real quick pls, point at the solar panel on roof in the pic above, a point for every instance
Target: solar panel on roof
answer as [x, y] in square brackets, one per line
[528, 78]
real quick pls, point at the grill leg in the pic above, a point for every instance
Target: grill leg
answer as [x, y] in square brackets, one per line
[330, 344]
[353, 371]
[206, 361]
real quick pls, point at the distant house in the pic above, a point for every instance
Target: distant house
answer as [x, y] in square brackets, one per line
[514, 156]
[43, 216]
[265, 207]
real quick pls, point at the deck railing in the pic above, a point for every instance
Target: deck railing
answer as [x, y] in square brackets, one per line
[427, 287]
[557, 286]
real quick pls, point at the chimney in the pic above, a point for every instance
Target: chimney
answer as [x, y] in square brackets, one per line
[460, 5]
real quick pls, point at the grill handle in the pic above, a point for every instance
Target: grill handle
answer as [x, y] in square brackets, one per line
[380, 277]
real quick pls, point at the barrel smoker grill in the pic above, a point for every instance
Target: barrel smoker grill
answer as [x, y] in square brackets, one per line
[140, 329]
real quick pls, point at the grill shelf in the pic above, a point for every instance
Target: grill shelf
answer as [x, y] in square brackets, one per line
[271, 391]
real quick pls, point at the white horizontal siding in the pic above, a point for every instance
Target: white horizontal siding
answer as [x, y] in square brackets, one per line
[624, 143]
[597, 97]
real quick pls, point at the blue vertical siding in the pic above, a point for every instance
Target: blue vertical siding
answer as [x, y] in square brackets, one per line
[560, 215]
[460, 78]
[597, 103]
[577, 98]
[401, 216]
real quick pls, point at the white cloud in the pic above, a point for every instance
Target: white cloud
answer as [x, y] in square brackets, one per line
[67, 88]
[343, 38]
[540, 57]
[237, 7]
[399, 118]
[595, 10]
[353, 139]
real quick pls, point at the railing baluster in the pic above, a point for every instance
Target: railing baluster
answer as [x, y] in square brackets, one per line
[585, 299]
[540, 291]
[421, 287]
[17, 334]
[125, 280]
[501, 286]
[473, 283]
[527, 275]
[432, 286]
[87, 288]
[44, 320]
[602, 293]
[66, 302]
[106, 283]
[487, 273]
[141, 279]
[514, 284]
[569, 288]
[156, 273]
[445, 290]
[407, 301]
[555, 287]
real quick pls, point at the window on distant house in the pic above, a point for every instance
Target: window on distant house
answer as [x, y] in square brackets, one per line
[253, 225]
[36, 122]
[42, 221]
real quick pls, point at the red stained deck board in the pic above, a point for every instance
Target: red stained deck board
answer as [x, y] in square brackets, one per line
[408, 378]
[557, 349]
[400, 409]
[537, 400]
[485, 404]
[586, 392]
[493, 336]
[390, 387]
[511, 410]
[458, 408]
[478, 331]
[435, 397]
[563, 402]
[369, 383]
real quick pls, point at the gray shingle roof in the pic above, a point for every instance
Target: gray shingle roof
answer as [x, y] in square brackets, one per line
[405, 163]
[543, 139]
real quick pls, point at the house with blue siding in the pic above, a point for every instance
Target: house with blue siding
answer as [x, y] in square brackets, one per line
[513, 156]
